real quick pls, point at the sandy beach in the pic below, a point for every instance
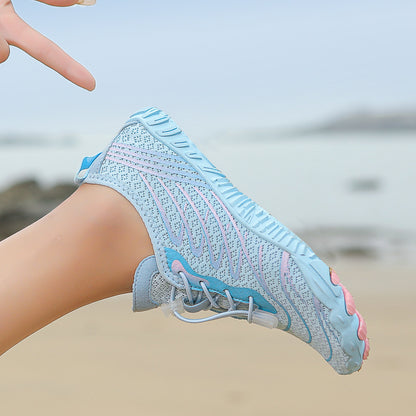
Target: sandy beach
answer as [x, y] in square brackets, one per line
[105, 360]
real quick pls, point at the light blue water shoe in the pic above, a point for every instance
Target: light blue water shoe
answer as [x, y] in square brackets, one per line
[217, 249]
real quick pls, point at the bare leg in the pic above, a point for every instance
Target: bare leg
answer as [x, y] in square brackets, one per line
[85, 250]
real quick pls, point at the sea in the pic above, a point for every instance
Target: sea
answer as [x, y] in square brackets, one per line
[356, 191]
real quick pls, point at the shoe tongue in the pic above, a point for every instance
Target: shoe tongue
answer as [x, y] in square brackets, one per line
[150, 289]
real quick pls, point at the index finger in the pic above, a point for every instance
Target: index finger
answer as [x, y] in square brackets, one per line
[23, 36]
[65, 3]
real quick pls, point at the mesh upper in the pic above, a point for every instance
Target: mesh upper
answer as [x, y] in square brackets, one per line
[182, 212]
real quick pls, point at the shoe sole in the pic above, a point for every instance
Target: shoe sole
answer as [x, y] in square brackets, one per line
[323, 281]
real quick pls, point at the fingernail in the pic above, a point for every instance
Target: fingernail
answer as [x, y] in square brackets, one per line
[86, 2]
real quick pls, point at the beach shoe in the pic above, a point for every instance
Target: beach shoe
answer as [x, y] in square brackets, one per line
[215, 249]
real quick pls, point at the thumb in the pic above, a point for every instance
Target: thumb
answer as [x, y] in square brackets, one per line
[4, 50]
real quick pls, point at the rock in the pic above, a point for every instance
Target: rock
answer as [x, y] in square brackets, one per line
[59, 192]
[331, 243]
[13, 220]
[19, 193]
[25, 202]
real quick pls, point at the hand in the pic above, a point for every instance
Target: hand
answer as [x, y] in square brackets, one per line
[14, 31]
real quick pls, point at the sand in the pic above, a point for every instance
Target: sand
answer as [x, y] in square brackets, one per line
[105, 360]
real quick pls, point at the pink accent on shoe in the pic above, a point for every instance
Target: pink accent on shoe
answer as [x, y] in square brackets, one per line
[366, 349]
[349, 301]
[177, 267]
[362, 328]
[334, 277]
[351, 310]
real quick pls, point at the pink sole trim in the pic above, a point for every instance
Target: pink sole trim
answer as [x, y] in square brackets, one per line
[366, 349]
[351, 310]
[349, 301]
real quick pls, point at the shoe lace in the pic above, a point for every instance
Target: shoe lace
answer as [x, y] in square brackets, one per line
[204, 300]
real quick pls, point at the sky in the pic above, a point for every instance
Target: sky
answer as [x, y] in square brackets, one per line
[222, 65]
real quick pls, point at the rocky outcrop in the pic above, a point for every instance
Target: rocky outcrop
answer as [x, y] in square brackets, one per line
[367, 121]
[27, 201]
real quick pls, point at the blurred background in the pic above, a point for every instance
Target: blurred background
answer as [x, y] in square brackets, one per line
[310, 109]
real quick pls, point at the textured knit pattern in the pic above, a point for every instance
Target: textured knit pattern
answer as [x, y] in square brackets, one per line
[182, 212]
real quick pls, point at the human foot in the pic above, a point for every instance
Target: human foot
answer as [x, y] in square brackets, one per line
[216, 249]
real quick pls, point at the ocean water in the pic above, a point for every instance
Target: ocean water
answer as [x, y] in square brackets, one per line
[347, 180]
[359, 182]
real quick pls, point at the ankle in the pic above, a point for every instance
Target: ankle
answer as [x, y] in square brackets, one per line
[115, 232]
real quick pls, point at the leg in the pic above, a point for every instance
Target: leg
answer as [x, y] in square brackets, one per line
[85, 250]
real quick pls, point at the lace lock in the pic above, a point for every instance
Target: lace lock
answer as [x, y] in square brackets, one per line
[173, 306]
[265, 319]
